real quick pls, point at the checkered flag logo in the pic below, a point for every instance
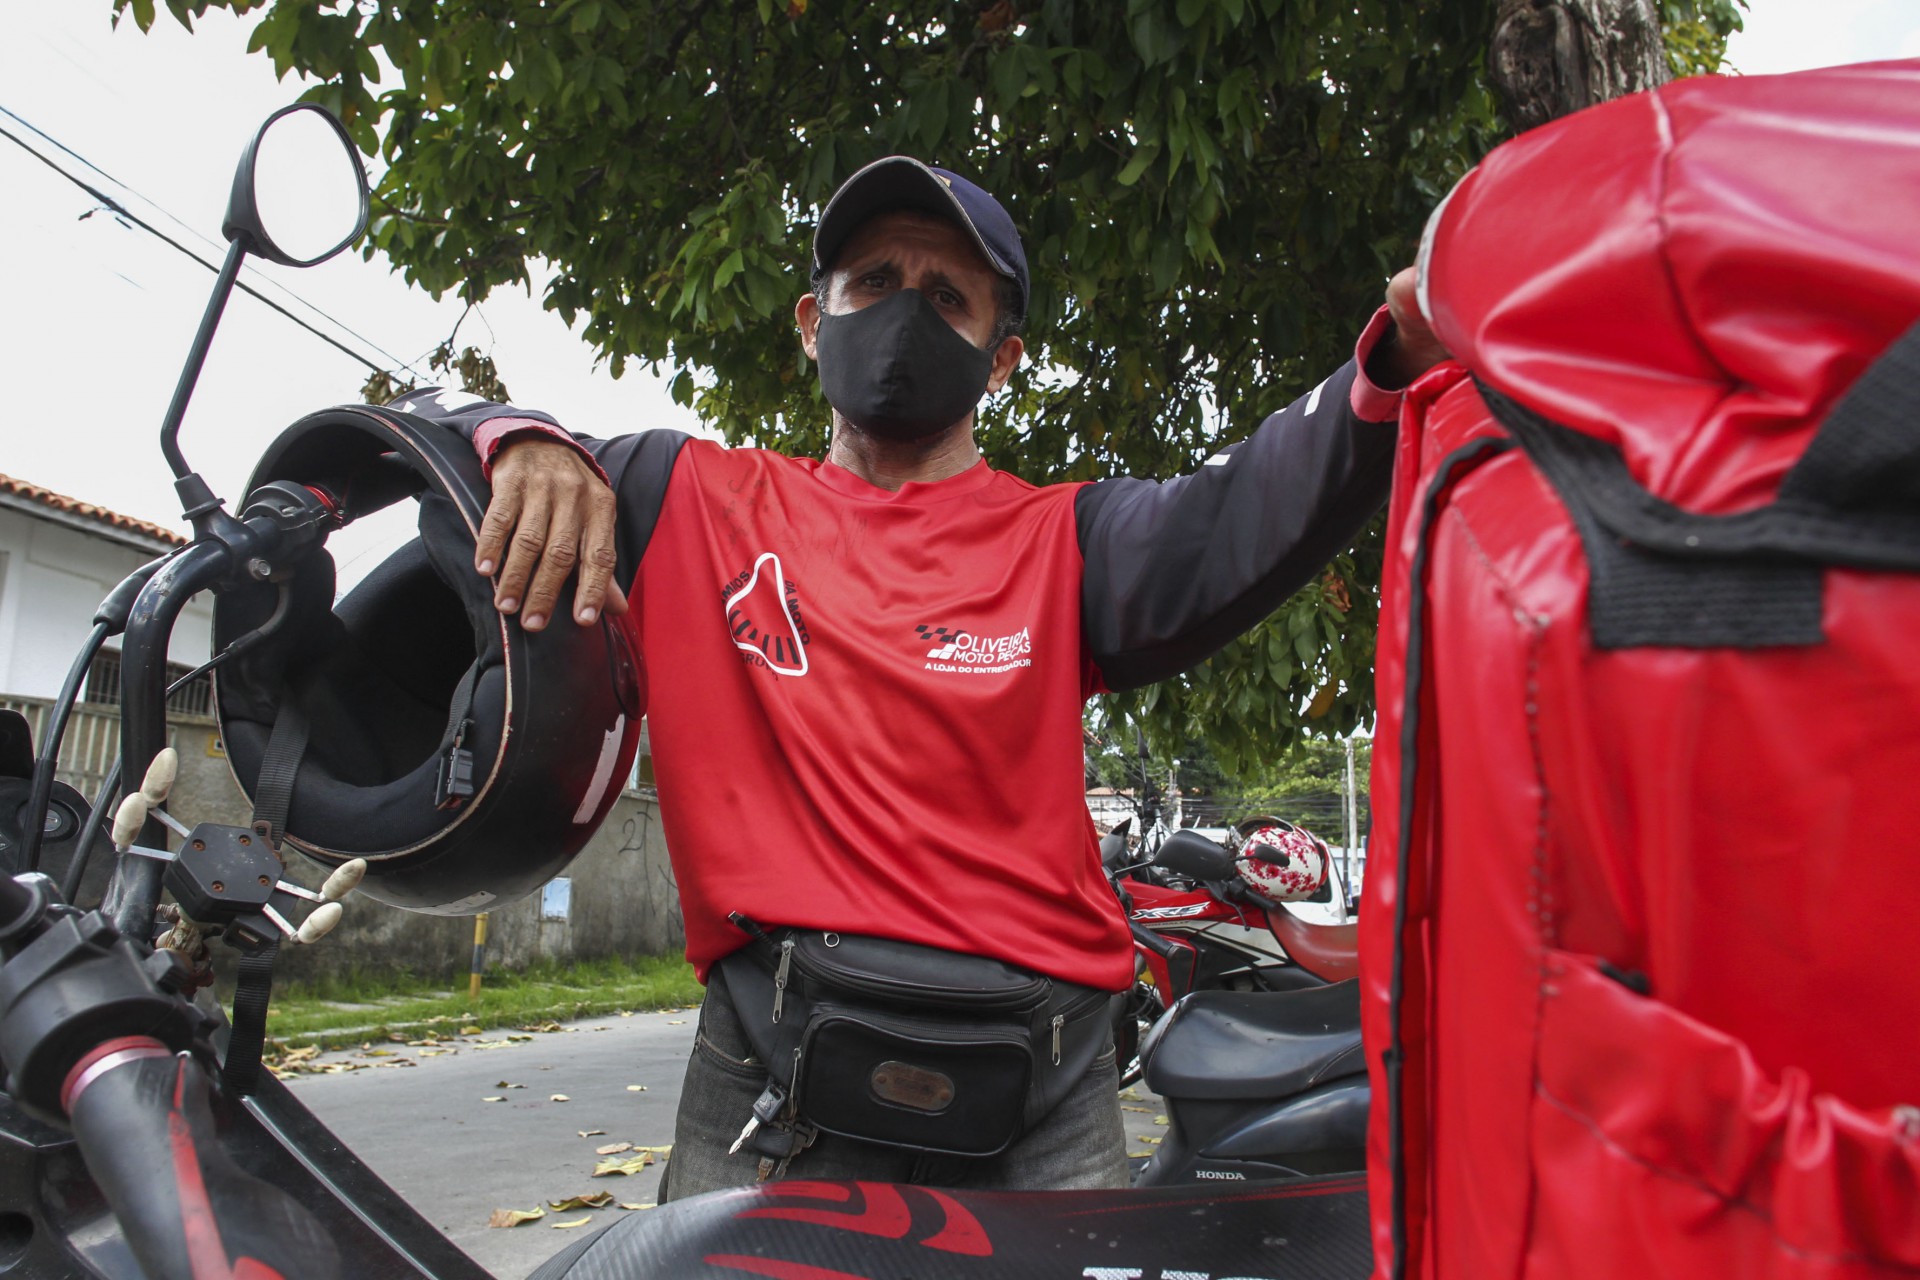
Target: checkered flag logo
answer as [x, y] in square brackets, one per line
[941, 638]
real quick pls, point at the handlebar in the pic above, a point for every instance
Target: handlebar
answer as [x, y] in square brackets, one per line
[145, 1127]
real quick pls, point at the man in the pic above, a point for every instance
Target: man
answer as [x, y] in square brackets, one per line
[866, 673]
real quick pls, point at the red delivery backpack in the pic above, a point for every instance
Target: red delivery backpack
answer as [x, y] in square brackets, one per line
[1641, 950]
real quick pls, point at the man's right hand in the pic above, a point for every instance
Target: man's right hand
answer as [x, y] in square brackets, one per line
[550, 514]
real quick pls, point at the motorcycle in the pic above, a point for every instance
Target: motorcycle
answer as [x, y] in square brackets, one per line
[1198, 928]
[1257, 1084]
[139, 1140]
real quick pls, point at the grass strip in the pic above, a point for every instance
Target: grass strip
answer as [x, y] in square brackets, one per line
[359, 1007]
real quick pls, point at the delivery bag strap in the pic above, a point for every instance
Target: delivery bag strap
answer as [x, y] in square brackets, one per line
[1665, 576]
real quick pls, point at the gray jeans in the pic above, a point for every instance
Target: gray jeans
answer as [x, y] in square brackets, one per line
[1079, 1144]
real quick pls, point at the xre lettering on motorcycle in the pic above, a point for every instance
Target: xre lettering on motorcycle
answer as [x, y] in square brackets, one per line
[1171, 913]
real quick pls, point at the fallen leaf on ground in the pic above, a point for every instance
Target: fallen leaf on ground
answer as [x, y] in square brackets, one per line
[396, 1037]
[1154, 1141]
[1139, 1155]
[631, 1165]
[593, 1133]
[376, 1053]
[559, 1097]
[1160, 1120]
[514, 1217]
[577, 1222]
[625, 1205]
[676, 1022]
[504, 1085]
[518, 1038]
[636, 1088]
[626, 1013]
[613, 1148]
[1145, 1111]
[585, 1200]
[469, 1031]
[659, 1151]
[495, 1098]
[542, 1026]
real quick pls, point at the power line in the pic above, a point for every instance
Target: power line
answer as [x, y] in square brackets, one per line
[122, 211]
[196, 233]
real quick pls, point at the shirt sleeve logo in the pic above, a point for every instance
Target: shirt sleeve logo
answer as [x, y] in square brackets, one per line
[763, 616]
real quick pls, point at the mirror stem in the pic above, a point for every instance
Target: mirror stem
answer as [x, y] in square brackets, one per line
[193, 490]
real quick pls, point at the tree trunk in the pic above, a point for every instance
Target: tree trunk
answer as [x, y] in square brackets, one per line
[1553, 57]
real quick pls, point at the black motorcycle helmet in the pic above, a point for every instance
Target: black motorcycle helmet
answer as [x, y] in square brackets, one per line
[414, 689]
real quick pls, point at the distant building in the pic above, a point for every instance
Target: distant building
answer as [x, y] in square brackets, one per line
[59, 557]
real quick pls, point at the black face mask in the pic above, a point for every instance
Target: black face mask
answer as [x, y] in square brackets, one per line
[898, 370]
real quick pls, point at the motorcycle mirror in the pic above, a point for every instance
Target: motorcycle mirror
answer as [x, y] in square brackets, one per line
[299, 197]
[300, 193]
[1192, 854]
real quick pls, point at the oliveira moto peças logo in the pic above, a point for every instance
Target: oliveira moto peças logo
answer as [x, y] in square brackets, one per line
[764, 618]
[954, 649]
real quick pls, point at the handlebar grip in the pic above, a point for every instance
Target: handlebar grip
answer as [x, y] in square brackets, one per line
[145, 1125]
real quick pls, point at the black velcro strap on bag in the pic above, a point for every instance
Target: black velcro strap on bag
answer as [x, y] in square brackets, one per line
[1663, 576]
[912, 1046]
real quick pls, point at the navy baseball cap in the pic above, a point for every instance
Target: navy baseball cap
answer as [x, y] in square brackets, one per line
[901, 182]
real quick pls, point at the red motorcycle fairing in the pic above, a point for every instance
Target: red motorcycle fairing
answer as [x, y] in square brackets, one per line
[1639, 992]
[1311, 1227]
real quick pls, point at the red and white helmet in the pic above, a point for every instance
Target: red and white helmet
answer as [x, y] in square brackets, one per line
[1279, 862]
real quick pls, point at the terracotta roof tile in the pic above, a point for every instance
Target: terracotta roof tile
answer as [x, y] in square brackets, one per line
[87, 510]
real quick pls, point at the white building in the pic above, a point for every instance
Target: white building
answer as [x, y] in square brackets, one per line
[59, 557]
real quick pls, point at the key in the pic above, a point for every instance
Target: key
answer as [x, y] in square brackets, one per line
[766, 1108]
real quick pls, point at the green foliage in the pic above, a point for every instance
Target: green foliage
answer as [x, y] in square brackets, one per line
[346, 1009]
[1213, 194]
[1696, 33]
[478, 375]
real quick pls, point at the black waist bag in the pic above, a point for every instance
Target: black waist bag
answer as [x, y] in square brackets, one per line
[911, 1046]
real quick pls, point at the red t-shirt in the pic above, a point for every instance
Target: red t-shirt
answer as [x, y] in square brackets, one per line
[865, 710]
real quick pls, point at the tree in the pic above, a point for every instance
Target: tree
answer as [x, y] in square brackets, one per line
[1553, 57]
[1212, 192]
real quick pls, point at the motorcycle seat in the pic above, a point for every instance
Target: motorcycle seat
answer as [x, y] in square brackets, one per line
[1298, 1229]
[1255, 1044]
[1329, 951]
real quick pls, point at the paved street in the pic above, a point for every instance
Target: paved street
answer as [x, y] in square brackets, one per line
[428, 1131]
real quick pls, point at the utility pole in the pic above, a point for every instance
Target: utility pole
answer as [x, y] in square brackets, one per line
[1352, 814]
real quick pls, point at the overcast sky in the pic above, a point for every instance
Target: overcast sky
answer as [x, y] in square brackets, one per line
[98, 315]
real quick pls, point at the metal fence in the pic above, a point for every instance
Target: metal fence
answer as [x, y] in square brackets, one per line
[92, 743]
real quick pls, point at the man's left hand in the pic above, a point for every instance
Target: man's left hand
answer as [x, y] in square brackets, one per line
[1411, 348]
